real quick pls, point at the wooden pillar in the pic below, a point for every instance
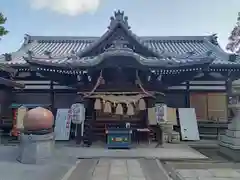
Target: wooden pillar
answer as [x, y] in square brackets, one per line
[52, 98]
[228, 84]
[187, 99]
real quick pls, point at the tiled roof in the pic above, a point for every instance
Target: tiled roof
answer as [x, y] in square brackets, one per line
[63, 46]
[174, 46]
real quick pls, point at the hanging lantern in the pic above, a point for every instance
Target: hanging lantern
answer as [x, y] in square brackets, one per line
[97, 104]
[130, 109]
[107, 107]
[141, 105]
[77, 112]
[119, 109]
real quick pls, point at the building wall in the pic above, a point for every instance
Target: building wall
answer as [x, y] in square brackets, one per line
[176, 99]
[32, 98]
[39, 92]
[64, 100]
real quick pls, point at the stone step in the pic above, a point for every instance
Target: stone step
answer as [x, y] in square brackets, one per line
[229, 142]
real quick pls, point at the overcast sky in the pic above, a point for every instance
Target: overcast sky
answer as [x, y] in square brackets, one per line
[91, 18]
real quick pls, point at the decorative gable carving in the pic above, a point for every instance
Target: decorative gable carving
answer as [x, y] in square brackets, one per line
[118, 37]
[119, 42]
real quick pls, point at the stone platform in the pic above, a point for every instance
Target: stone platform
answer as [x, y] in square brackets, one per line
[167, 152]
[230, 152]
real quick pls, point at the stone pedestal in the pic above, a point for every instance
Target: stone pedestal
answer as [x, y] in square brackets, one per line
[35, 149]
[230, 142]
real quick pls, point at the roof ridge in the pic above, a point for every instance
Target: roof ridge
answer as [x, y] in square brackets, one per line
[56, 38]
[216, 48]
[172, 38]
[50, 38]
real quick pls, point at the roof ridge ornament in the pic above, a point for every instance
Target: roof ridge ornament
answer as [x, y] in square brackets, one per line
[48, 54]
[118, 18]
[27, 39]
[7, 56]
[214, 39]
[73, 55]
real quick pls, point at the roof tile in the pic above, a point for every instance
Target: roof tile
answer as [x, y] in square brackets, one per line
[63, 46]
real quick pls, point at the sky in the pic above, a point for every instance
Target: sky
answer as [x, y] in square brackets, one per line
[91, 18]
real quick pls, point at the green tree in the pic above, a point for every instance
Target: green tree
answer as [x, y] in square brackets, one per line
[3, 19]
[234, 38]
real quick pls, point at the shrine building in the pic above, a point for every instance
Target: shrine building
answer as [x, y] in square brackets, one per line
[121, 73]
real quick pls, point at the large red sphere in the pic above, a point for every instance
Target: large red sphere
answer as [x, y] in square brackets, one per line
[38, 118]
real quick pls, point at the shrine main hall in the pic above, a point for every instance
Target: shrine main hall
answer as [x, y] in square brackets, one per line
[191, 71]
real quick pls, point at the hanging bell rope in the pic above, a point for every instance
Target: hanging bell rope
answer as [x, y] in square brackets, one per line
[107, 107]
[141, 105]
[97, 104]
[141, 87]
[119, 109]
[99, 80]
[130, 109]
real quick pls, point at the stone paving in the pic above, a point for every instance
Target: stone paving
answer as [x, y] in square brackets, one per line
[10, 169]
[169, 151]
[134, 164]
[209, 174]
[118, 169]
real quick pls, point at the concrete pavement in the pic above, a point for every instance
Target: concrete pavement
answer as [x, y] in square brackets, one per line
[118, 169]
[140, 163]
[169, 151]
[10, 169]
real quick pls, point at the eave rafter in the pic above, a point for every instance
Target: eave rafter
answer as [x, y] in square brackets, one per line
[73, 65]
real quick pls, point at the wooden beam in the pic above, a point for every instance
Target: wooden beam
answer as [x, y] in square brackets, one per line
[10, 83]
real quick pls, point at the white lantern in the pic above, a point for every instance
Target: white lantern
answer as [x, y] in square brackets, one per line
[78, 113]
[160, 110]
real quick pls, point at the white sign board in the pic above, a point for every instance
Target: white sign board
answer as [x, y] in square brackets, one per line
[188, 124]
[78, 113]
[62, 125]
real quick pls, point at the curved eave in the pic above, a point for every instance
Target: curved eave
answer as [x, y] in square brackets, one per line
[138, 61]
[7, 68]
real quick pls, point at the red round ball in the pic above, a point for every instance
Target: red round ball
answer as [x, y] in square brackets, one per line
[38, 118]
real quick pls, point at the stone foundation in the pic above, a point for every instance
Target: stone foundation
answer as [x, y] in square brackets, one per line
[35, 149]
[233, 154]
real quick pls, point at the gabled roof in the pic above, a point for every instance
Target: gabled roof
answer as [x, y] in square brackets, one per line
[119, 22]
[62, 47]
